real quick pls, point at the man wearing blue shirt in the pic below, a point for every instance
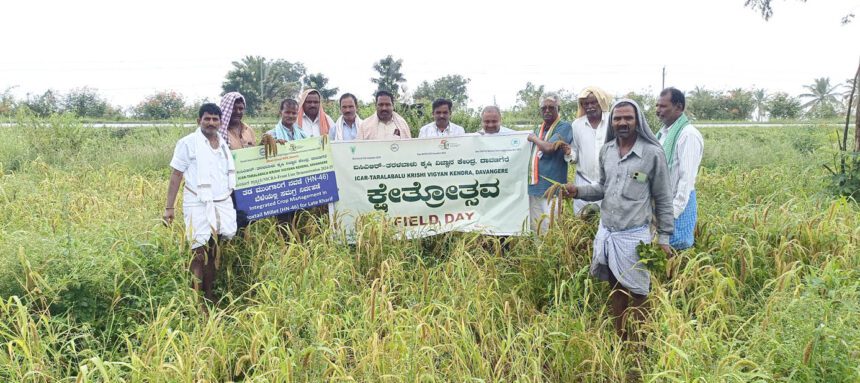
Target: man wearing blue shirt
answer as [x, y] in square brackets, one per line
[547, 161]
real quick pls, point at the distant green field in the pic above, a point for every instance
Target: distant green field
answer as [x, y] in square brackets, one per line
[94, 289]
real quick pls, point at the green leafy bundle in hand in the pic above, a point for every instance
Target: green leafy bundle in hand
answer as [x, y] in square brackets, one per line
[652, 256]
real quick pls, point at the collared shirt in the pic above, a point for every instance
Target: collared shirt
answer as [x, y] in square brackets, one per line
[627, 186]
[350, 132]
[502, 130]
[185, 160]
[431, 130]
[688, 156]
[552, 165]
[242, 138]
[312, 127]
[586, 144]
[383, 130]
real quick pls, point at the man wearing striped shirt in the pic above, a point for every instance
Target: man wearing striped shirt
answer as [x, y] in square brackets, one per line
[683, 146]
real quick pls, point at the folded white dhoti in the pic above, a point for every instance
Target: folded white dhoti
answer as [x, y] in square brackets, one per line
[202, 220]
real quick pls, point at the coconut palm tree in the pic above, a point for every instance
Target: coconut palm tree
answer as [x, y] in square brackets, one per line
[262, 80]
[390, 77]
[821, 94]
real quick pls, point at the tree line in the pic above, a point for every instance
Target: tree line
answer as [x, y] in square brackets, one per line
[265, 82]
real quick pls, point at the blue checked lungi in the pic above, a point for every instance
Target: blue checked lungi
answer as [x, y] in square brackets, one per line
[685, 225]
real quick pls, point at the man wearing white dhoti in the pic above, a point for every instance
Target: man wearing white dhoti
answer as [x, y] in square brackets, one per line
[204, 161]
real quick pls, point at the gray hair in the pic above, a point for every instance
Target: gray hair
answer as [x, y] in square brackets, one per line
[491, 109]
[550, 96]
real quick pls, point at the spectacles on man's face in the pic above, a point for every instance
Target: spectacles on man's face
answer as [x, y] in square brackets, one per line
[548, 107]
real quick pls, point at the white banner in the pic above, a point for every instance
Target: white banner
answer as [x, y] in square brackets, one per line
[428, 186]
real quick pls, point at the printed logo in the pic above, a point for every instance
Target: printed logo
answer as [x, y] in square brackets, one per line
[352, 149]
[394, 147]
[445, 145]
[515, 142]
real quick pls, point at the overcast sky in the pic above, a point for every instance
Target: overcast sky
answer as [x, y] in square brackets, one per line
[128, 50]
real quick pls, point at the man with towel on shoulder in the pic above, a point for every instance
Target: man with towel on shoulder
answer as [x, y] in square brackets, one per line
[633, 175]
[204, 161]
[237, 135]
[385, 124]
[546, 163]
[314, 121]
[346, 126]
[286, 130]
[683, 146]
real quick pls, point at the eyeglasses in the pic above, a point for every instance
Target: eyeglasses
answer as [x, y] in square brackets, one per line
[546, 107]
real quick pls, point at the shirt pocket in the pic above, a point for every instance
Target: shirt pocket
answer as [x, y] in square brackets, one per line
[635, 186]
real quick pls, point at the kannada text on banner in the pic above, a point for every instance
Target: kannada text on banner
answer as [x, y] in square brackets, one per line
[300, 176]
[429, 186]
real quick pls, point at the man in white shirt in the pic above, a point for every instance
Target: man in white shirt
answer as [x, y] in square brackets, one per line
[442, 126]
[346, 126]
[491, 122]
[589, 134]
[314, 121]
[204, 161]
[683, 146]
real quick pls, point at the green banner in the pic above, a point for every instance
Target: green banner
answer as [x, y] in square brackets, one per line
[428, 186]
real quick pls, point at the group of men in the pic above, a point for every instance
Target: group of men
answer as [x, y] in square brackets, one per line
[640, 182]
